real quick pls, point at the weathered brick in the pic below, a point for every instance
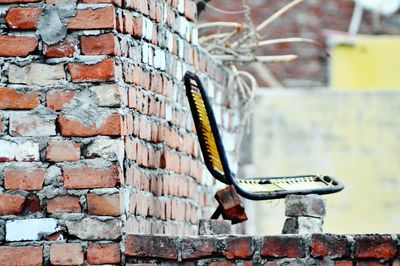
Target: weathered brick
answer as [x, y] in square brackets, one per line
[103, 44]
[101, 2]
[375, 247]
[65, 49]
[103, 254]
[21, 256]
[93, 229]
[24, 179]
[32, 203]
[58, 100]
[66, 254]
[10, 98]
[372, 263]
[325, 245]
[101, 18]
[190, 10]
[63, 151]
[145, 245]
[303, 225]
[103, 71]
[104, 204]
[11, 204]
[110, 95]
[305, 205]
[64, 204]
[232, 207]
[138, 27]
[36, 74]
[238, 248]
[128, 22]
[283, 247]
[110, 149]
[200, 247]
[31, 124]
[343, 263]
[112, 126]
[89, 177]
[24, 151]
[17, 46]
[23, 18]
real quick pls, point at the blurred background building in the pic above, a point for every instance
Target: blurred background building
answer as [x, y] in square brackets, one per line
[336, 115]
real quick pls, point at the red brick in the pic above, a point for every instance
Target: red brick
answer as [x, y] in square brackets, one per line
[104, 44]
[120, 24]
[138, 27]
[66, 254]
[32, 204]
[21, 256]
[23, 18]
[159, 13]
[132, 97]
[24, 179]
[371, 263]
[146, 245]
[343, 263]
[18, 1]
[98, 1]
[101, 18]
[290, 246]
[111, 126]
[64, 204]
[199, 248]
[65, 49]
[222, 263]
[335, 246]
[128, 22]
[190, 10]
[17, 46]
[11, 204]
[104, 204]
[63, 151]
[232, 207]
[58, 100]
[12, 99]
[238, 248]
[103, 71]
[89, 177]
[103, 254]
[375, 247]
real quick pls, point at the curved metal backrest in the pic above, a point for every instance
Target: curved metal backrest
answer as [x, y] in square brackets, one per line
[207, 130]
[215, 158]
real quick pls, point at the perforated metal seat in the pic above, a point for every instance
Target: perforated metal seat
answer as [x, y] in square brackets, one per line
[254, 188]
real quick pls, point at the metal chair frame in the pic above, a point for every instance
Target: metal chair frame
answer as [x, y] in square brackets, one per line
[198, 99]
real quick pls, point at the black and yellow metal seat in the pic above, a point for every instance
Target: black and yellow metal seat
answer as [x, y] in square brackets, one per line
[254, 188]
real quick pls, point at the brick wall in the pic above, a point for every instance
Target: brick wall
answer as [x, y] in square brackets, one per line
[308, 19]
[95, 136]
[316, 249]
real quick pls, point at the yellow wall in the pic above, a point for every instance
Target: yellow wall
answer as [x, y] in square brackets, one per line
[354, 136]
[366, 62]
